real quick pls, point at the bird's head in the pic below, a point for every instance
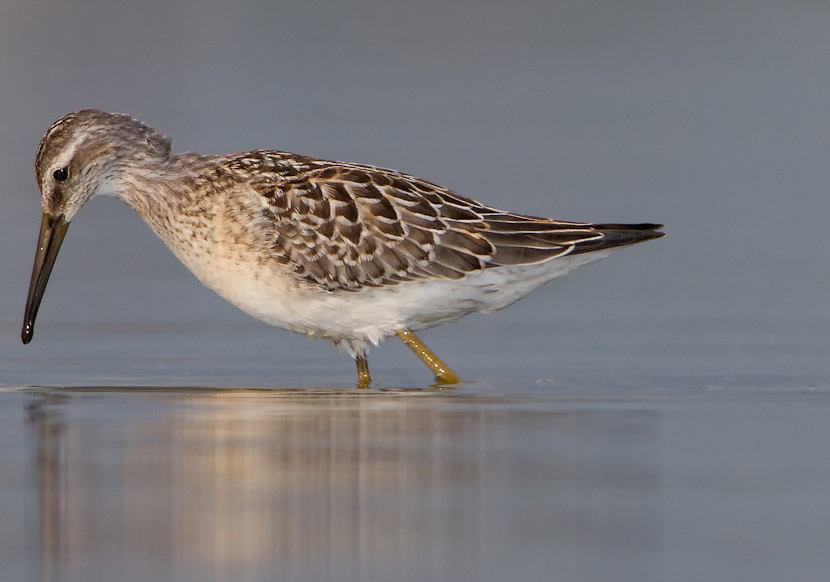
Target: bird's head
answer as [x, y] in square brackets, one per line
[83, 155]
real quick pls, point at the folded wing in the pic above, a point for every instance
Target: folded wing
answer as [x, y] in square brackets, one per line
[345, 226]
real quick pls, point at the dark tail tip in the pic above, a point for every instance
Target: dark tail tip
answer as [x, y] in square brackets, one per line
[642, 226]
[618, 235]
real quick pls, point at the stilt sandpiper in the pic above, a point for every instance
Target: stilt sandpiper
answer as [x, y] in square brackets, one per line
[346, 252]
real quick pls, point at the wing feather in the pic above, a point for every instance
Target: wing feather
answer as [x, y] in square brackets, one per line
[346, 226]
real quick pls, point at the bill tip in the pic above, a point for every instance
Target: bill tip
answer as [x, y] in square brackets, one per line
[28, 331]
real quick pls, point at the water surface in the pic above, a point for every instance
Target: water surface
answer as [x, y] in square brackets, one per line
[484, 482]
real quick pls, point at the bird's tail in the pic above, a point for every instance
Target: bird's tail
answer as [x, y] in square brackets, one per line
[618, 235]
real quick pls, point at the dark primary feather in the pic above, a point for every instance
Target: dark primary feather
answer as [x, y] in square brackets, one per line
[345, 226]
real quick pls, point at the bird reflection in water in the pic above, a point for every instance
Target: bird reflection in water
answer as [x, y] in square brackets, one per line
[323, 485]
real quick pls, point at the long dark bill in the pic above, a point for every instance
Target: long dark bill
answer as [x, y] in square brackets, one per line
[52, 231]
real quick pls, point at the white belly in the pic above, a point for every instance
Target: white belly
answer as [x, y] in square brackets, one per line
[373, 313]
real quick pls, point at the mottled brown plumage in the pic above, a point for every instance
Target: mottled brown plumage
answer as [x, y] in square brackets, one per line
[344, 226]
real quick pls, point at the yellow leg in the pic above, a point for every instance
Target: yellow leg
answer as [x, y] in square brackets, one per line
[363, 378]
[443, 373]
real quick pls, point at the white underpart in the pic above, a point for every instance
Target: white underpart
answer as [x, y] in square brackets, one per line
[358, 318]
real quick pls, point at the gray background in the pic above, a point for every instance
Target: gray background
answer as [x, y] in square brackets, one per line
[709, 116]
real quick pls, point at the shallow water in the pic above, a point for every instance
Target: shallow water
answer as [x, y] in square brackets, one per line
[479, 483]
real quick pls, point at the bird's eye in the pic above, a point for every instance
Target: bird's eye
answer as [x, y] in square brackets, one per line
[61, 174]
